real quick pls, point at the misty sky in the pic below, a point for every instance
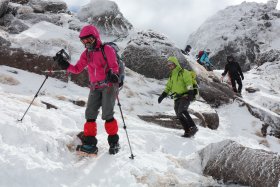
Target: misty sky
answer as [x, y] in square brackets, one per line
[176, 19]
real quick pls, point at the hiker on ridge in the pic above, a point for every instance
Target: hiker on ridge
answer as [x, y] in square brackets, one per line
[235, 74]
[182, 87]
[203, 59]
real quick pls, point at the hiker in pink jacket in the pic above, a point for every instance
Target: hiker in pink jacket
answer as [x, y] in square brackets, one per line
[103, 76]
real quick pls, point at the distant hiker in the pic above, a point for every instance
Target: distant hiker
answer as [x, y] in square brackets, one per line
[235, 74]
[187, 50]
[104, 81]
[203, 59]
[180, 86]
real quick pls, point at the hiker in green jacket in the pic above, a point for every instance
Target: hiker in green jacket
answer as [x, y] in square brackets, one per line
[182, 87]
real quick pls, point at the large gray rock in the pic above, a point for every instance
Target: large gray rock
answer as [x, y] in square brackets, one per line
[208, 116]
[106, 16]
[55, 6]
[214, 92]
[13, 57]
[34, 18]
[20, 1]
[147, 54]
[4, 42]
[6, 20]
[268, 56]
[244, 51]
[17, 26]
[3, 7]
[234, 163]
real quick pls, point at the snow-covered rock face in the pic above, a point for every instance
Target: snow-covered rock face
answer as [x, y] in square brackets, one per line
[244, 31]
[147, 52]
[106, 16]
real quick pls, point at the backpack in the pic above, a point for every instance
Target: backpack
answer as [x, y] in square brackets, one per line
[119, 60]
[200, 53]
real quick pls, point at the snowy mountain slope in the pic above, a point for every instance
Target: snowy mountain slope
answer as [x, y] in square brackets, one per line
[244, 30]
[35, 151]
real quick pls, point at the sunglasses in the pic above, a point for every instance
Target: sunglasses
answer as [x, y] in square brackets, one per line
[89, 39]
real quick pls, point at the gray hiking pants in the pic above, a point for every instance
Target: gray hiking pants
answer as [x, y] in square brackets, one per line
[101, 97]
[181, 109]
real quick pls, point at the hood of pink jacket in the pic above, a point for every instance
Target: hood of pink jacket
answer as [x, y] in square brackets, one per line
[91, 30]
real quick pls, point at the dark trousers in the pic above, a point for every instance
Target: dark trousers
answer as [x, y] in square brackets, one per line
[233, 84]
[181, 109]
[102, 97]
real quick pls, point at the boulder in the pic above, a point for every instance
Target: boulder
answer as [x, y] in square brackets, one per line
[147, 54]
[17, 58]
[17, 26]
[233, 163]
[106, 16]
[54, 6]
[34, 18]
[268, 56]
[6, 20]
[208, 116]
[3, 7]
[20, 1]
[214, 92]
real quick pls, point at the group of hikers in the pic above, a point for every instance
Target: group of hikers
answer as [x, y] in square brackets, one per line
[104, 75]
[232, 68]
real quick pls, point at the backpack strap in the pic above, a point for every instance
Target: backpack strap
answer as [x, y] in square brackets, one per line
[104, 55]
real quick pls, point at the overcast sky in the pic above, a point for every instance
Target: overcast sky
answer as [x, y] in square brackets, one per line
[177, 19]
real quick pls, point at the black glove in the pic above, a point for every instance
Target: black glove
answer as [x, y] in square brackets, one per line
[162, 96]
[242, 77]
[121, 84]
[62, 63]
[112, 77]
[191, 95]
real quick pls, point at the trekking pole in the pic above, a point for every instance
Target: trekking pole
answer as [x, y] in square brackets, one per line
[36, 95]
[124, 126]
[58, 55]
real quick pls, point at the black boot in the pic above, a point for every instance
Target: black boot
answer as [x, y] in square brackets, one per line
[190, 132]
[88, 146]
[113, 141]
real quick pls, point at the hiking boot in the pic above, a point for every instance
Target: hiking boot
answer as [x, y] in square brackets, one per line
[113, 141]
[87, 149]
[114, 148]
[190, 132]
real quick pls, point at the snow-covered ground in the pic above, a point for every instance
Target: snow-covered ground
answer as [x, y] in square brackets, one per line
[35, 152]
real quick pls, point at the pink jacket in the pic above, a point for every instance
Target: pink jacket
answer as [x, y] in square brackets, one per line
[97, 65]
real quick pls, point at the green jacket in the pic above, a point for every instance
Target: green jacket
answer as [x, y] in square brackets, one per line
[180, 80]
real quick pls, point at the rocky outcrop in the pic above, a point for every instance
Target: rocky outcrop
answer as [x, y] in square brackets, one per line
[244, 31]
[214, 92]
[269, 117]
[206, 118]
[54, 6]
[268, 56]
[106, 16]
[13, 57]
[3, 7]
[147, 54]
[233, 163]
[20, 1]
